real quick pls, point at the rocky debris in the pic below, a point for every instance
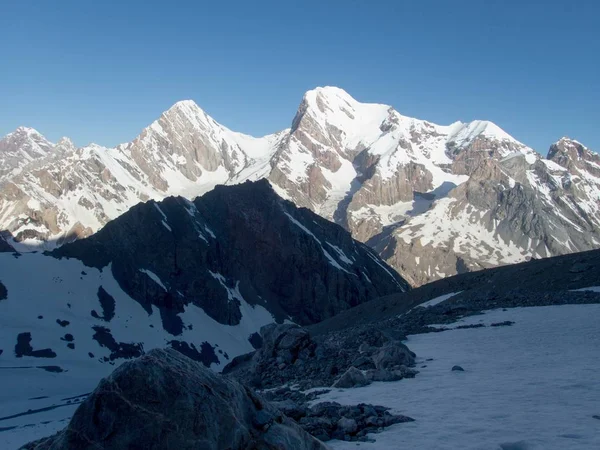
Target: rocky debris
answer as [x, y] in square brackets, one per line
[166, 400]
[506, 323]
[3, 292]
[118, 350]
[457, 369]
[330, 420]
[291, 355]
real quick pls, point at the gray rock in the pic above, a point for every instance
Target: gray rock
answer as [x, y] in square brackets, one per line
[165, 400]
[351, 378]
[347, 426]
[457, 369]
[393, 354]
[384, 375]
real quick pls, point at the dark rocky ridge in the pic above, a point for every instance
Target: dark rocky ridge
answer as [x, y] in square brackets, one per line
[236, 241]
[5, 246]
[535, 282]
[165, 400]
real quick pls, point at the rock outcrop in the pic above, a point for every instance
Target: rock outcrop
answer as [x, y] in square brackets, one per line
[290, 354]
[165, 400]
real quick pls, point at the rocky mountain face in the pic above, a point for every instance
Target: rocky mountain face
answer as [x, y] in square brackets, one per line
[68, 193]
[433, 200]
[236, 243]
[509, 210]
[21, 147]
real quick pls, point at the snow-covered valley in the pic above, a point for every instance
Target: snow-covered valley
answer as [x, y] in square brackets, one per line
[530, 386]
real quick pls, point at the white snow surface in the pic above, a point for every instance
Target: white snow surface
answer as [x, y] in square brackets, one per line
[530, 386]
[438, 300]
[42, 290]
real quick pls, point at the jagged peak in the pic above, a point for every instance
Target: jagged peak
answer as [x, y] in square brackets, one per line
[186, 111]
[65, 142]
[566, 149]
[26, 131]
[331, 105]
[565, 140]
[185, 105]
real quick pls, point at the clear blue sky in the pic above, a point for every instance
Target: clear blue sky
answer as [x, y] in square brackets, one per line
[100, 71]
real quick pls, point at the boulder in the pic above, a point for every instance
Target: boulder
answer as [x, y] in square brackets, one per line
[351, 378]
[166, 400]
[457, 369]
[283, 342]
[347, 426]
[393, 354]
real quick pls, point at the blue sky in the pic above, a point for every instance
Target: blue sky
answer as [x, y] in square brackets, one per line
[100, 71]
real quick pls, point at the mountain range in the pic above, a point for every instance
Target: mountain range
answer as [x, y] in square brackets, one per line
[432, 200]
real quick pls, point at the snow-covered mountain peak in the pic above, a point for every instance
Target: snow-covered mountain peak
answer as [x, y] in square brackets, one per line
[467, 133]
[576, 158]
[340, 108]
[22, 130]
[26, 133]
[19, 148]
[65, 144]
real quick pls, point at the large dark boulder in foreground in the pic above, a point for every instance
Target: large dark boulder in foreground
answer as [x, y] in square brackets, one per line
[165, 400]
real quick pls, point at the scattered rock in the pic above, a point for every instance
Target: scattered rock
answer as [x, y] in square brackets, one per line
[62, 323]
[52, 369]
[104, 338]
[457, 369]
[24, 348]
[466, 327]
[506, 323]
[330, 420]
[67, 337]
